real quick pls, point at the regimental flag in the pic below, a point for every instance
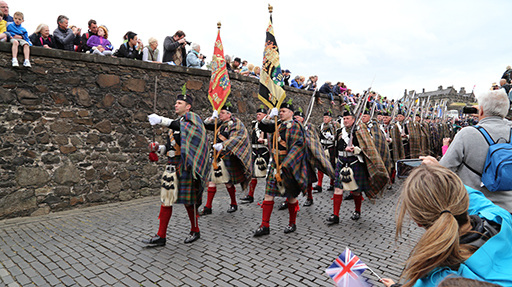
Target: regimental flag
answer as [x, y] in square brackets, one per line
[346, 269]
[271, 91]
[220, 85]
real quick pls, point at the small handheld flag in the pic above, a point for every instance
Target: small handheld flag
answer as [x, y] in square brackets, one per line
[346, 269]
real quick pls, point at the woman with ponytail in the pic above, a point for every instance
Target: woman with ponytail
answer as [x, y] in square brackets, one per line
[466, 235]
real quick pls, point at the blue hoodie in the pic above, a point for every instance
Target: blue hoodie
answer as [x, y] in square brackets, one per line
[18, 30]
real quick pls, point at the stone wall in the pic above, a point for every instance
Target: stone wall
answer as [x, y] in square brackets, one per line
[74, 129]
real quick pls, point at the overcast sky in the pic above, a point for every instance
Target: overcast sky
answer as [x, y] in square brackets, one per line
[403, 44]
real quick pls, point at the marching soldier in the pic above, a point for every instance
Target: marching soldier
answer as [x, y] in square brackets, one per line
[327, 132]
[187, 165]
[233, 147]
[260, 154]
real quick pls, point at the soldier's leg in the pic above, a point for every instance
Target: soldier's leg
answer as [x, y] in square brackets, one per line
[194, 224]
[358, 198]
[293, 208]
[232, 191]
[159, 238]
[337, 199]
[267, 206]
[212, 189]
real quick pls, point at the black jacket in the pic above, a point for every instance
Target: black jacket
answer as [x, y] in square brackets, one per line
[37, 40]
[125, 51]
[170, 47]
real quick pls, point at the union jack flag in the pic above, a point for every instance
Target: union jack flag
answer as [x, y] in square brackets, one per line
[346, 269]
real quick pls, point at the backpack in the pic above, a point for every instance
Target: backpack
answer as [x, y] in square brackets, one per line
[497, 172]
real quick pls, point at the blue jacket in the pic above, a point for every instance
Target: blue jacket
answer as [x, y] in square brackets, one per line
[193, 60]
[492, 261]
[14, 29]
[296, 85]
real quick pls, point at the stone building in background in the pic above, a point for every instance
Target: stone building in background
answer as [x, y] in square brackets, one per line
[454, 99]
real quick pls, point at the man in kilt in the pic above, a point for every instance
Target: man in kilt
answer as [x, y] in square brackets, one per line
[327, 132]
[260, 153]
[233, 146]
[288, 176]
[396, 147]
[356, 152]
[187, 152]
[404, 132]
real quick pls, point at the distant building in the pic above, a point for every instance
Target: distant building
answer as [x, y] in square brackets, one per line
[450, 95]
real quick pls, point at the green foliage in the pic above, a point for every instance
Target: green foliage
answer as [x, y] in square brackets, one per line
[184, 89]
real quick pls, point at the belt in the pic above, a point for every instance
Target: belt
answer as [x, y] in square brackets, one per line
[345, 153]
[326, 142]
[281, 152]
[258, 146]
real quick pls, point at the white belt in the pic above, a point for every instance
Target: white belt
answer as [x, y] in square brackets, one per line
[258, 146]
[345, 153]
[326, 142]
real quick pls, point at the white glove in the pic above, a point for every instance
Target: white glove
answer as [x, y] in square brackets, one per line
[215, 115]
[154, 119]
[162, 150]
[273, 113]
[218, 146]
[357, 150]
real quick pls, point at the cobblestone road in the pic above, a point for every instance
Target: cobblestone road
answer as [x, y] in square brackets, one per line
[100, 246]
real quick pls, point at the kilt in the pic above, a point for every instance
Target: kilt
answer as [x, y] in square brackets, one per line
[271, 183]
[190, 190]
[234, 168]
[359, 169]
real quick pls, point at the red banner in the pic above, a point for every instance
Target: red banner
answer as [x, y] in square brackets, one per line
[220, 85]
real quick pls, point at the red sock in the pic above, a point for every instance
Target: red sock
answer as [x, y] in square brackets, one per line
[193, 215]
[211, 194]
[165, 216]
[267, 211]
[232, 191]
[293, 209]
[320, 178]
[357, 201]
[310, 191]
[337, 199]
[252, 187]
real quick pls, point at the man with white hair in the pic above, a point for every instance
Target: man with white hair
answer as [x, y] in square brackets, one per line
[467, 153]
[194, 58]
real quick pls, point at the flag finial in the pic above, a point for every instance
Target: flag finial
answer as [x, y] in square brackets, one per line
[218, 25]
[270, 8]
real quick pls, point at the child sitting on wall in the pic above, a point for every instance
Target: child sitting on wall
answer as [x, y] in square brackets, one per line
[19, 37]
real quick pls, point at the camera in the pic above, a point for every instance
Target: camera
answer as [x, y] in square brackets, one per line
[469, 110]
[204, 57]
[405, 166]
[188, 42]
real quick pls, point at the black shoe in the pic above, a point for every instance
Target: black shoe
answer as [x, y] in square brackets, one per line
[356, 215]
[155, 241]
[232, 208]
[390, 187]
[283, 206]
[308, 202]
[331, 188]
[349, 197]
[334, 219]
[247, 199]
[193, 236]
[318, 188]
[262, 230]
[206, 210]
[290, 228]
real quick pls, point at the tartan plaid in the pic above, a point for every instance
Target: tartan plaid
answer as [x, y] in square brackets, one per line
[192, 167]
[360, 173]
[294, 168]
[237, 144]
[398, 146]
[414, 139]
[382, 146]
[378, 175]
[316, 155]
[425, 140]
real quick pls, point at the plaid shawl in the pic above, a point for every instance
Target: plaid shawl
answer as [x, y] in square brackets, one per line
[378, 175]
[315, 153]
[425, 140]
[239, 145]
[398, 145]
[194, 146]
[382, 146]
[294, 165]
[414, 139]
[434, 139]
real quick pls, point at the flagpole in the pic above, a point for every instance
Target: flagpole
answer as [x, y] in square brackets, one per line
[380, 279]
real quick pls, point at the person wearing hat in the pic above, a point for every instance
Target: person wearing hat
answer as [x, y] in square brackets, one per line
[286, 77]
[404, 132]
[260, 153]
[351, 172]
[288, 176]
[188, 163]
[327, 132]
[234, 148]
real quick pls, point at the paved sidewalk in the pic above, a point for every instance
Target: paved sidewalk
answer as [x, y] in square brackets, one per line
[100, 246]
